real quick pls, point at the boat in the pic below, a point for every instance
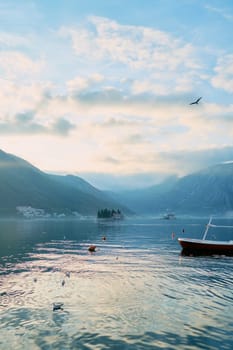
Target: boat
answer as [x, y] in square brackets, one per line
[195, 247]
[169, 216]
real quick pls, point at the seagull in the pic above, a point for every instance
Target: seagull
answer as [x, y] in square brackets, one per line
[57, 306]
[196, 102]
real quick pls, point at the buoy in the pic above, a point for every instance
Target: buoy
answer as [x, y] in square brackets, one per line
[92, 248]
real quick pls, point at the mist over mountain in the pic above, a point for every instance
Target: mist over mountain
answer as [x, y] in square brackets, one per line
[145, 200]
[118, 182]
[208, 191]
[22, 184]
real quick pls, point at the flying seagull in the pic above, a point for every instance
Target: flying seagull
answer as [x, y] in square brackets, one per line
[195, 102]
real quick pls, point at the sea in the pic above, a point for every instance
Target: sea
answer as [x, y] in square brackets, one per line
[136, 291]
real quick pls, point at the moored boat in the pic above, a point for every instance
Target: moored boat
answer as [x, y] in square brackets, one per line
[205, 247]
[169, 216]
[191, 246]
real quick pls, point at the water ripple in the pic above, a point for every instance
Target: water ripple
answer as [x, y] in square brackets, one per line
[134, 292]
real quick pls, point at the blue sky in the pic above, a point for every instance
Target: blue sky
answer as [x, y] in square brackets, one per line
[102, 88]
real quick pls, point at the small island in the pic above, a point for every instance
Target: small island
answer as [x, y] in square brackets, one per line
[109, 214]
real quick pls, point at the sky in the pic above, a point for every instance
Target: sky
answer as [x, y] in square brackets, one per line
[102, 89]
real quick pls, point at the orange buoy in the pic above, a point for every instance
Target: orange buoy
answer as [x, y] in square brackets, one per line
[92, 248]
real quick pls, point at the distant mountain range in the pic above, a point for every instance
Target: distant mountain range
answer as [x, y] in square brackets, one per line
[209, 191]
[22, 185]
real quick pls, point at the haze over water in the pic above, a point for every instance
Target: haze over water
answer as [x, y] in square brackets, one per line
[134, 292]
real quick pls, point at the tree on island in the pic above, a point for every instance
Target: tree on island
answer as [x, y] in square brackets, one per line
[109, 214]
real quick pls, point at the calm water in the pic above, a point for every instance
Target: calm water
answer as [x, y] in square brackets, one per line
[135, 292]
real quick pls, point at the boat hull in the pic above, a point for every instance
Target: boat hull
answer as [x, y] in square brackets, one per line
[203, 247]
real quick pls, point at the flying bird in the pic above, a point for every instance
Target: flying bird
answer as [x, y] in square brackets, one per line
[196, 102]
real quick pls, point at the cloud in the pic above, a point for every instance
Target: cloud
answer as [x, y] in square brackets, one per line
[25, 123]
[169, 60]
[18, 97]
[138, 46]
[62, 127]
[223, 78]
[170, 163]
[191, 161]
[120, 93]
[9, 40]
[122, 121]
[163, 164]
[111, 160]
[135, 139]
[223, 12]
[117, 122]
[80, 84]
[15, 64]
[113, 100]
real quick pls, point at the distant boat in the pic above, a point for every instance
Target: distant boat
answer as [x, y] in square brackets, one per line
[191, 246]
[169, 216]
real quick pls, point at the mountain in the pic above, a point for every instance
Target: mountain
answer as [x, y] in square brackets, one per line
[209, 191]
[22, 185]
[145, 200]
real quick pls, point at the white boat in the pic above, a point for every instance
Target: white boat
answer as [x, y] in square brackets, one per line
[191, 246]
[169, 216]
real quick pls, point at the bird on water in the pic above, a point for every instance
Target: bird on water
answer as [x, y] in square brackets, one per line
[57, 306]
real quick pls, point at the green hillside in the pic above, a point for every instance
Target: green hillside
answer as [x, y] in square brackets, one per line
[22, 184]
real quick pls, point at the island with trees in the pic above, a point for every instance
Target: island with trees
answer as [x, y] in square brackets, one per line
[109, 214]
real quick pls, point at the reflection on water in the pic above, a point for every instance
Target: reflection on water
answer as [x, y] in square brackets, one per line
[134, 292]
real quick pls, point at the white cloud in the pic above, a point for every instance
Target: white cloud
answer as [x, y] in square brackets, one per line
[224, 73]
[13, 40]
[27, 123]
[223, 12]
[79, 83]
[139, 60]
[17, 97]
[142, 50]
[124, 99]
[15, 64]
